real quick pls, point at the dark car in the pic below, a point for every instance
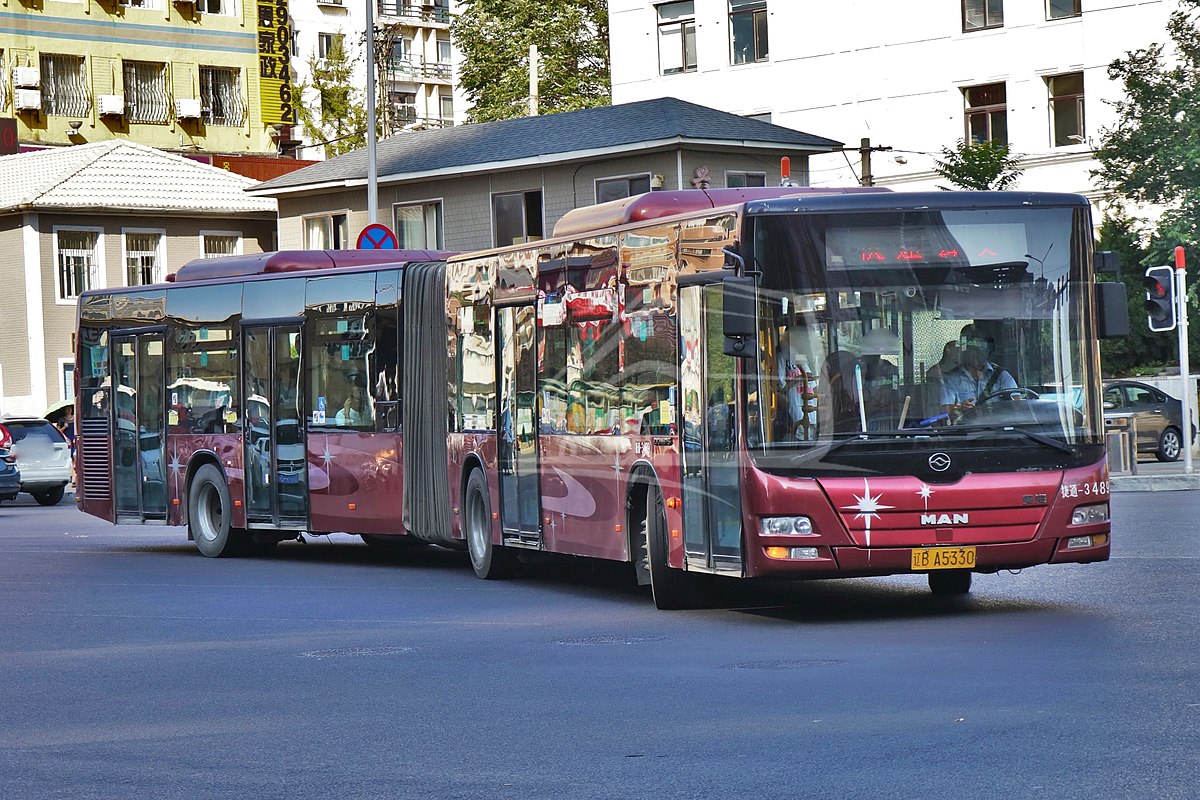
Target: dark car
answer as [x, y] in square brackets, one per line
[43, 456]
[1158, 416]
[10, 477]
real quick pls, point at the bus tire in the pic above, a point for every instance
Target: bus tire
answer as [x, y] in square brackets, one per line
[950, 582]
[489, 561]
[671, 588]
[210, 514]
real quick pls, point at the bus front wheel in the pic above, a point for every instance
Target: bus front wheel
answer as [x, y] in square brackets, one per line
[209, 519]
[671, 587]
[951, 582]
[487, 559]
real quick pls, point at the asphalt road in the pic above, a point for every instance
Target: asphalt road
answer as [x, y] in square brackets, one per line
[133, 667]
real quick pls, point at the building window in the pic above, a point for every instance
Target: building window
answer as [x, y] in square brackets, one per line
[145, 88]
[404, 107]
[446, 108]
[331, 45]
[327, 232]
[68, 379]
[987, 116]
[677, 37]
[748, 30]
[739, 180]
[221, 96]
[77, 262]
[980, 14]
[443, 50]
[225, 7]
[1066, 108]
[1063, 9]
[419, 225]
[64, 86]
[146, 4]
[516, 217]
[143, 257]
[216, 245]
[617, 188]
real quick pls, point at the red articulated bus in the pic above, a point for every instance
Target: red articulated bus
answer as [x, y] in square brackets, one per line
[760, 383]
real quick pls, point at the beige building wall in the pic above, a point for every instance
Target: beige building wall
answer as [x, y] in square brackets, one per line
[14, 337]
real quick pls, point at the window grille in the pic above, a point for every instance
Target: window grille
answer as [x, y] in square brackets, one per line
[146, 97]
[76, 262]
[221, 96]
[64, 86]
[141, 259]
[216, 246]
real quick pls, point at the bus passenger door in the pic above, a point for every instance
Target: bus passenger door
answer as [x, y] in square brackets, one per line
[517, 434]
[139, 425]
[276, 470]
[712, 508]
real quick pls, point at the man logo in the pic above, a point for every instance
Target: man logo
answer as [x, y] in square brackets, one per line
[945, 519]
[939, 462]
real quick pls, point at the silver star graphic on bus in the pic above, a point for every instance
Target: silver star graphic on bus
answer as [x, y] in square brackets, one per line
[868, 506]
[175, 463]
[925, 492]
[326, 456]
[617, 463]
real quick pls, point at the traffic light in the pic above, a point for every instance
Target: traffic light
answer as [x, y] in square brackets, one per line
[1160, 298]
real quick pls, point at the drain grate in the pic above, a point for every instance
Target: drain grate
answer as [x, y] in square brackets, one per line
[591, 641]
[346, 652]
[787, 665]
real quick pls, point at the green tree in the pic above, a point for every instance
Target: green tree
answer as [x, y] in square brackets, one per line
[1152, 154]
[338, 118]
[494, 37]
[978, 165]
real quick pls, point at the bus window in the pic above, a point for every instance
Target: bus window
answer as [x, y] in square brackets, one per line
[649, 375]
[92, 373]
[202, 372]
[338, 351]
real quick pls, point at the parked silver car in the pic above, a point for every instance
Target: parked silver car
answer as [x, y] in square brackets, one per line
[1159, 417]
[43, 457]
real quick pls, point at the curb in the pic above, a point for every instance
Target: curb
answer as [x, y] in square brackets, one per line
[1154, 483]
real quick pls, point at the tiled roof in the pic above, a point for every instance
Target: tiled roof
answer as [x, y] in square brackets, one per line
[548, 139]
[122, 175]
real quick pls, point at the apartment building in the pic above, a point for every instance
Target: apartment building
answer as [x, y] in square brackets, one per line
[914, 77]
[415, 73]
[209, 76]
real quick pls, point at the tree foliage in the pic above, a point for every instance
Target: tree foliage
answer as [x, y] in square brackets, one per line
[1152, 154]
[338, 117]
[978, 165]
[494, 37]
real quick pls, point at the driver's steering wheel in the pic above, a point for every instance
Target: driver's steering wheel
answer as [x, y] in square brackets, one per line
[1010, 394]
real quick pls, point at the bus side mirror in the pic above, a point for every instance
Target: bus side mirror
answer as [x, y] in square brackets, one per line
[740, 320]
[1112, 310]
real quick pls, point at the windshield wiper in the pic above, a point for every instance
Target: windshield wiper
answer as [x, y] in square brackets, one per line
[864, 436]
[1041, 439]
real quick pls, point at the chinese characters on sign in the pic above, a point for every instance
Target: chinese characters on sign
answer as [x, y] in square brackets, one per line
[274, 62]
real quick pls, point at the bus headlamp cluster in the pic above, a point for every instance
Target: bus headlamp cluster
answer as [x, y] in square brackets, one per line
[1088, 515]
[786, 526]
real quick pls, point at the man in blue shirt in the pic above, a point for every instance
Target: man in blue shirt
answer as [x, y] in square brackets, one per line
[975, 377]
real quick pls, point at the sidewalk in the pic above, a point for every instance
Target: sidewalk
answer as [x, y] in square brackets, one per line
[1155, 476]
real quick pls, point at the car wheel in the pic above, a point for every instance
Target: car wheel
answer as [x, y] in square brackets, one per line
[1170, 444]
[209, 511]
[50, 497]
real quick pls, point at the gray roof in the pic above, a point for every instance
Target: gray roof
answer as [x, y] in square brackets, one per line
[569, 136]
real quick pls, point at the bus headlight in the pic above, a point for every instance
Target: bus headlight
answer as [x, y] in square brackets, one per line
[785, 526]
[1087, 515]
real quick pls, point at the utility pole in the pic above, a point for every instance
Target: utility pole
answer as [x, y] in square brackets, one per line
[864, 151]
[1185, 373]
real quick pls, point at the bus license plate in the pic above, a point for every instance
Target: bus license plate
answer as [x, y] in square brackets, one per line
[926, 558]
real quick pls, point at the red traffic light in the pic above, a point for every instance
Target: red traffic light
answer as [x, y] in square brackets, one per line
[1160, 298]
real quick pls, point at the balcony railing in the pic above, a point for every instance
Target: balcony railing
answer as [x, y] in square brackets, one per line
[399, 68]
[425, 12]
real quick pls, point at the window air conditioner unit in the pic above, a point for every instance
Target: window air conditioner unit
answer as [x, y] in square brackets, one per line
[28, 100]
[111, 105]
[187, 108]
[26, 77]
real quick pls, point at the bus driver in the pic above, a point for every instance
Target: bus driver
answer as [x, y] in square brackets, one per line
[976, 377]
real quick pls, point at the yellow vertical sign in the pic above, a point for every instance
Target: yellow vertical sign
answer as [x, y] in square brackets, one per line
[274, 62]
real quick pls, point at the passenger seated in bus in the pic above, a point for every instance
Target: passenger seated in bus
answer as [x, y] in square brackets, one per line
[976, 377]
[797, 382]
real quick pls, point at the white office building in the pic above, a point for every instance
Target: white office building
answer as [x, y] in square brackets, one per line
[912, 76]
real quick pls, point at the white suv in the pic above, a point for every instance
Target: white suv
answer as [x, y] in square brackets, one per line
[43, 456]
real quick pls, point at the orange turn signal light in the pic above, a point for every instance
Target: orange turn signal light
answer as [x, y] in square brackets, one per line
[777, 552]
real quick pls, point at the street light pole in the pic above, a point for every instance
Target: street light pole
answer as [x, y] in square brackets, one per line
[372, 171]
[1185, 372]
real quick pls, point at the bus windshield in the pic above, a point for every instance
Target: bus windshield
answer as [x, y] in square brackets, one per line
[962, 326]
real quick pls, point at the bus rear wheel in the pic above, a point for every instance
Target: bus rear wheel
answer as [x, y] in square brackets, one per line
[209, 515]
[489, 561]
[950, 582]
[671, 588]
